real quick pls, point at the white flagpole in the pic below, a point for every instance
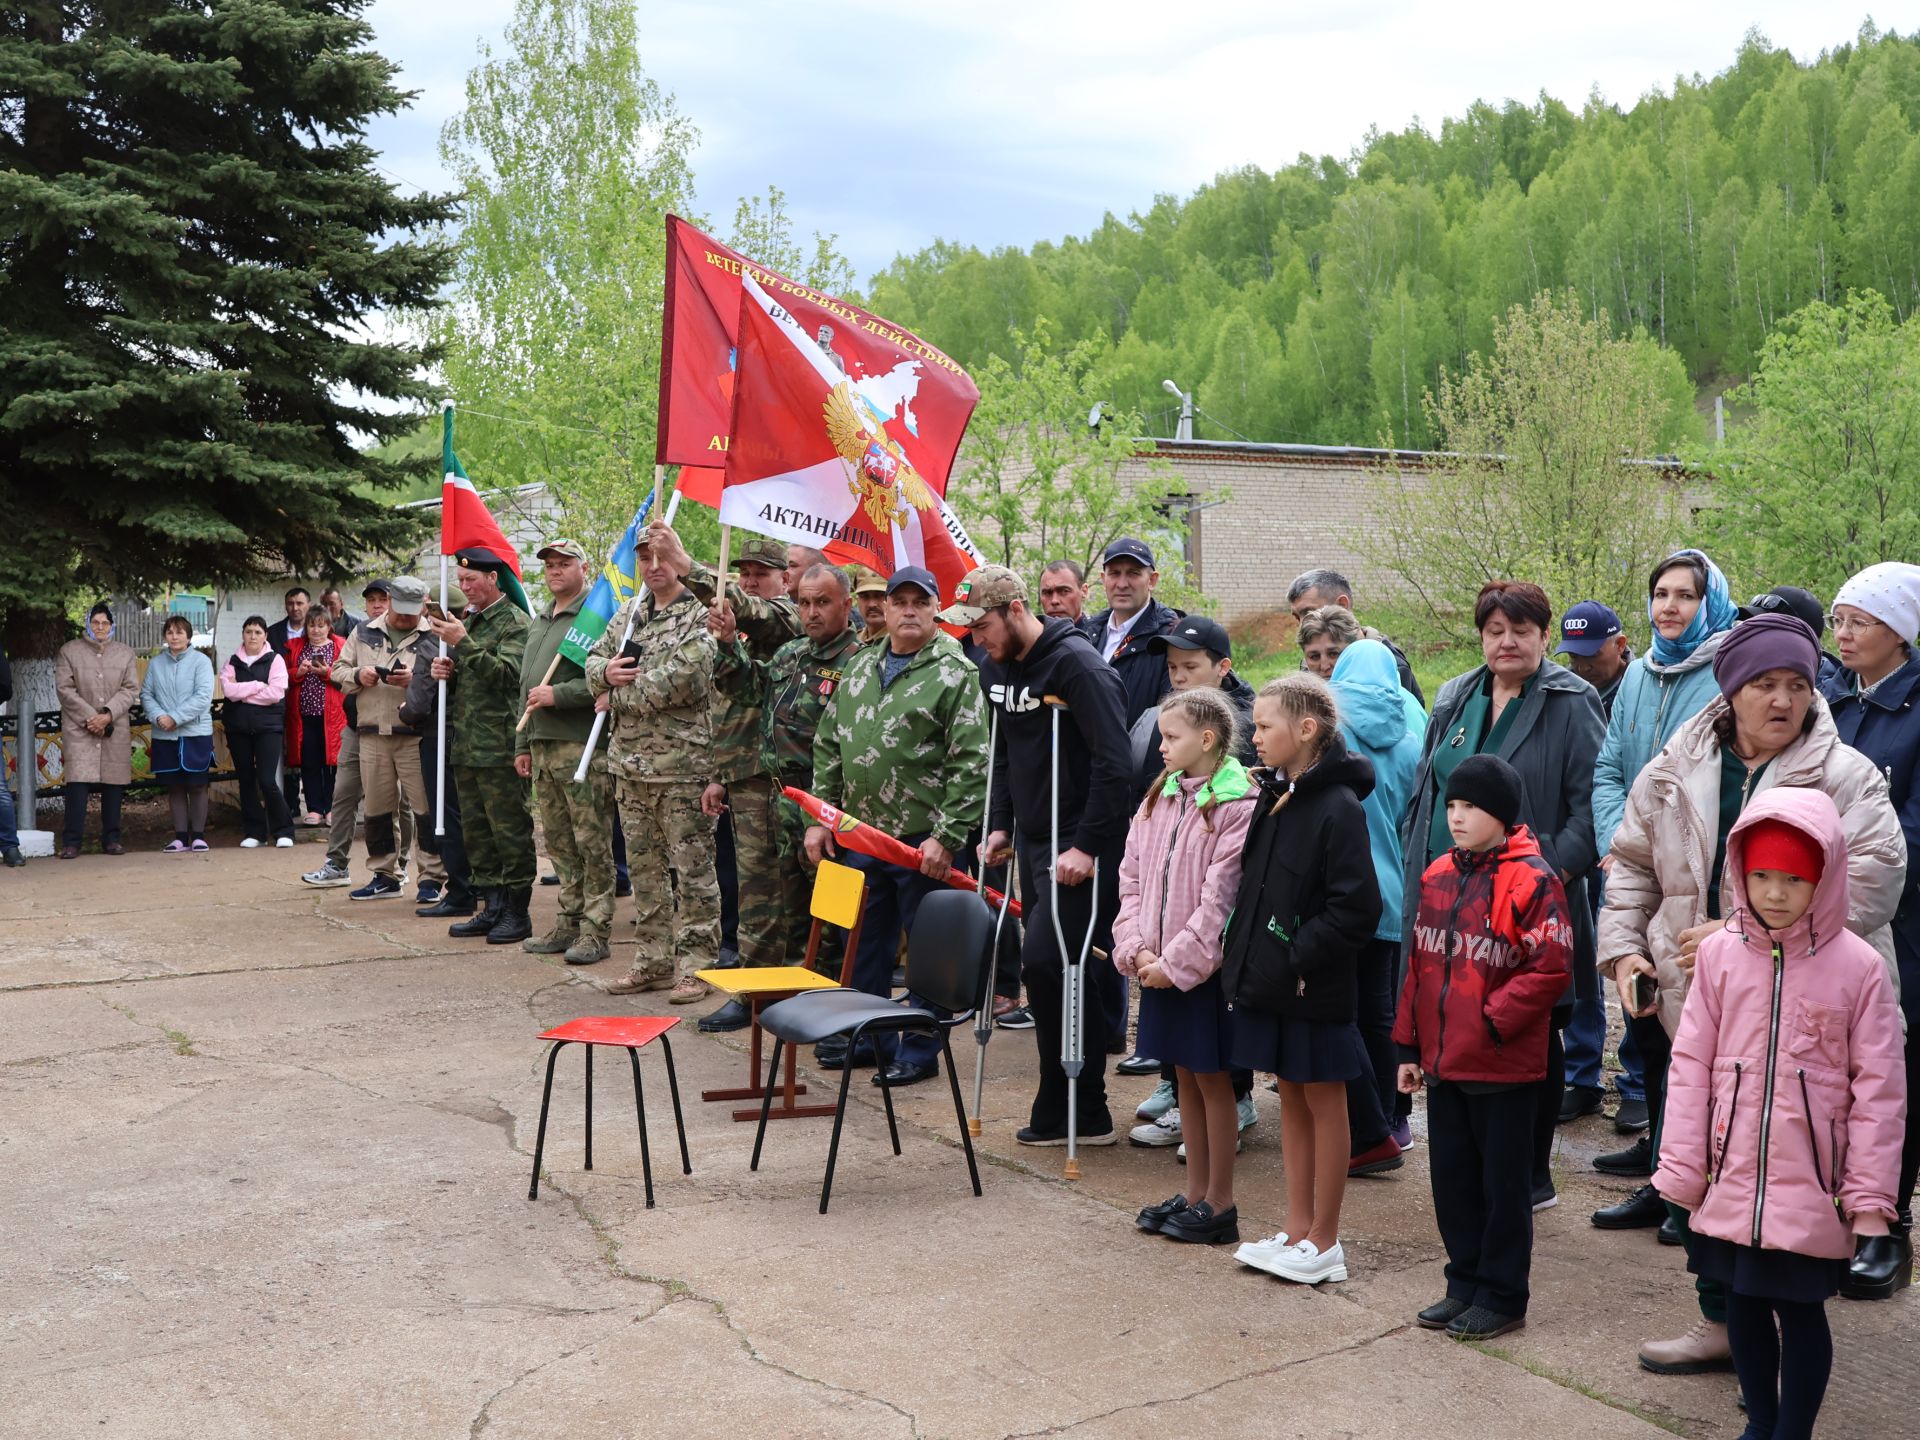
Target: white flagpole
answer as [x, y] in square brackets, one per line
[440, 770]
[600, 716]
[673, 506]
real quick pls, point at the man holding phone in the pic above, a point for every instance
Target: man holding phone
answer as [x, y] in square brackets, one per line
[375, 667]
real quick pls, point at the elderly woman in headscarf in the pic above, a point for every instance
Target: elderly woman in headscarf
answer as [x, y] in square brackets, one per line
[1766, 728]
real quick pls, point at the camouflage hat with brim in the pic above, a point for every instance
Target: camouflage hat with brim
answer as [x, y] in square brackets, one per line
[987, 588]
[572, 549]
[866, 581]
[759, 550]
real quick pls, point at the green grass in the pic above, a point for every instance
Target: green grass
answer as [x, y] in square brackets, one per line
[1265, 648]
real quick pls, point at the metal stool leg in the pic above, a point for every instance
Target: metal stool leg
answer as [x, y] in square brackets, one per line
[640, 1109]
[673, 1087]
[833, 1146]
[540, 1136]
[959, 1110]
[587, 1050]
[766, 1102]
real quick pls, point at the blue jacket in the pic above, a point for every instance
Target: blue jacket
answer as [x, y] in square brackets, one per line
[1383, 722]
[1654, 700]
[1885, 727]
[183, 688]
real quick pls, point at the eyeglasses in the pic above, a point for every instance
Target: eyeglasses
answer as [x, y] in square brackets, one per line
[1861, 623]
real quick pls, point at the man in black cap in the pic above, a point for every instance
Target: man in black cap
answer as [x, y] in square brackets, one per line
[1132, 618]
[1806, 607]
[484, 703]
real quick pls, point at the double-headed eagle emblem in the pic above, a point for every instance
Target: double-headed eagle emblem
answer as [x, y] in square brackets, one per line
[878, 471]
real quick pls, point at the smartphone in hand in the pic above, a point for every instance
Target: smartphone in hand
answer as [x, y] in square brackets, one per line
[1646, 991]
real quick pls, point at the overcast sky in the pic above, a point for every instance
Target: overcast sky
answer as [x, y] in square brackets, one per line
[1002, 122]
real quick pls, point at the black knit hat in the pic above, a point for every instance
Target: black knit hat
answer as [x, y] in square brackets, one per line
[1490, 784]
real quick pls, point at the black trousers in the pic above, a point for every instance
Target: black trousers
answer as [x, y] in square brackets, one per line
[1041, 965]
[76, 821]
[1909, 964]
[1546, 1096]
[452, 846]
[1370, 1097]
[316, 775]
[727, 868]
[1481, 1162]
[263, 809]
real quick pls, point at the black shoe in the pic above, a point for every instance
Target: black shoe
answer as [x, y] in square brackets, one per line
[1477, 1322]
[1639, 1211]
[622, 887]
[904, 1072]
[734, 1015]
[1578, 1100]
[15, 860]
[1199, 1225]
[549, 879]
[728, 958]
[445, 908]
[1881, 1265]
[1097, 1132]
[1441, 1313]
[1138, 1064]
[1635, 1160]
[513, 924]
[1154, 1216]
[381, 887]
[1631, 1117]
[1669, 1232]
[832, 1054]
[483, 919]
[1018, 1018]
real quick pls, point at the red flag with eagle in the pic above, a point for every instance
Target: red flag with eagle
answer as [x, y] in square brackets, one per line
[844, 431]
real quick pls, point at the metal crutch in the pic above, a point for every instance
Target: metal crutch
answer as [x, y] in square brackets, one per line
[1073, 992]
[983, 1016]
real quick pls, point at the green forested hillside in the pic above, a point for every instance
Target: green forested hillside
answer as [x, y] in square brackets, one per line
[1317, 301]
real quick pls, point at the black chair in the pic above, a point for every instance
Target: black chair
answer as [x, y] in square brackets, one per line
[945, 960]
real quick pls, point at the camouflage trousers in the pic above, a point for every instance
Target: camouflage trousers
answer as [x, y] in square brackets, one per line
[774, 884]
[497, 820]
[577, 824]
[670, 861]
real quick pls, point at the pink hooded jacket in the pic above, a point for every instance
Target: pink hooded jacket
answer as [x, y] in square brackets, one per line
[1787, 1094]
[1178, 881]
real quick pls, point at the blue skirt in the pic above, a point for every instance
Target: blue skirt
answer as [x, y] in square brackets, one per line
[185, 760]
[1765, 1274]
[1301, 1052]
[1187, 1027]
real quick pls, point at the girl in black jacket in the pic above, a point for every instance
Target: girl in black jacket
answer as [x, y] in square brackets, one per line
[1308, 904]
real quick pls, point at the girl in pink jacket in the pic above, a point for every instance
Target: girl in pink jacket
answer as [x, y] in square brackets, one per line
[1177, 883]
[1785, 1102]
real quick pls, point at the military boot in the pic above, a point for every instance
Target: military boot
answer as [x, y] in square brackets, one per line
[511, 923]
[587, 950]
[483, 919]
[557, 940]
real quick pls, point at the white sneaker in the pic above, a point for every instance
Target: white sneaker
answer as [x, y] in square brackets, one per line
[1308, 1265]
[285, 842]
[1160, 1133]
[250, 843]
[1159, 1102]
[1256, 1252]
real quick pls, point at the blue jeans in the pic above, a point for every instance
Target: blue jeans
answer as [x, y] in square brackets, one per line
[9, 836]
[1586, 1037]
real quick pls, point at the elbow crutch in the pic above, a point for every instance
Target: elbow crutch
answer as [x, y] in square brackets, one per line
[983, 1015]
[1073, 984]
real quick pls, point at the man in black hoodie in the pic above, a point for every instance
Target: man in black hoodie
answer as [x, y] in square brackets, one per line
[1028, 661]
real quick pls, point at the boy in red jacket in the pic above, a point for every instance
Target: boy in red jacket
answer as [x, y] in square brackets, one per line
[1490, 955]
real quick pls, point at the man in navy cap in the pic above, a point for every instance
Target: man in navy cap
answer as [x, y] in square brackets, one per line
[1596, 648]
[1132, 618]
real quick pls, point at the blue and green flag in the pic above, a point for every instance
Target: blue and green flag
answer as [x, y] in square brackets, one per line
[619, 577]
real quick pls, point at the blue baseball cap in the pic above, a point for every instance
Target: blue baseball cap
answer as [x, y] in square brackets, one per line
[914, 575]
[1586, 627]
[1127, 548]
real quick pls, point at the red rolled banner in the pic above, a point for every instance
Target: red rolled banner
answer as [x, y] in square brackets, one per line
[861, 837]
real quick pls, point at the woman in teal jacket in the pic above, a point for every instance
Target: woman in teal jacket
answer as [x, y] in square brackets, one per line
[178, 698]
[1691, 611]
[1383, 722]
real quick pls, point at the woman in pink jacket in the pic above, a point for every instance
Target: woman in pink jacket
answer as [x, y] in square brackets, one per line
[1177, 883]
[1785, 1102]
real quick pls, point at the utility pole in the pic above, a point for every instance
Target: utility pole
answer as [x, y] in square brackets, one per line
[1184, 431]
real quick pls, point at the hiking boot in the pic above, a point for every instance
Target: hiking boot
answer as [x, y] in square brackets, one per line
[636, 982]
[688, 990]
[587, 950]
[556, 941]
[1701, 1349]
[512, 923]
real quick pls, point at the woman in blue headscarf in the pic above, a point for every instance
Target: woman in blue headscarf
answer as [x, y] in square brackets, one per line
[1691, 611]
[1384, 723]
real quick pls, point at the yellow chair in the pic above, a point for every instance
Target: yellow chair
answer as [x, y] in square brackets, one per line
[839, 896]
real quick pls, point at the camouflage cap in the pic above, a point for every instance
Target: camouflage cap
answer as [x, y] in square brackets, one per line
[759, 550]
[866, 581]
[987, 588]
[572, 549]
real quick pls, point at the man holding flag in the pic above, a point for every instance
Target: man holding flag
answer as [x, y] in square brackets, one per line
[559, 705]
[484, 704]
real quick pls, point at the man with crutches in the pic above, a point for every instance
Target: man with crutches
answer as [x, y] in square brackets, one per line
[1061, 781]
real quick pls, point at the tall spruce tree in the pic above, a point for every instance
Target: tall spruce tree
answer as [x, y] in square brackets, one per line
[194, 246]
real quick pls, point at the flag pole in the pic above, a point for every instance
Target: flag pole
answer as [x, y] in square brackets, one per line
[440, 725]
[633, 613]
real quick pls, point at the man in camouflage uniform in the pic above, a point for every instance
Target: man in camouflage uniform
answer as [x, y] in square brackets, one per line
[903, 745]
[483, 705]
[870, 599]
[577, 820]
[740, 790]
[661, 755]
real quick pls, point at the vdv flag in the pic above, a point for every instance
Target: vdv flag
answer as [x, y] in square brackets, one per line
[619, 578]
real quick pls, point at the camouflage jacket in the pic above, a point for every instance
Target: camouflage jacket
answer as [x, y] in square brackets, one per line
[483, 698]
[794, 687]
[764, 626]
[663, 722]
[908, 757]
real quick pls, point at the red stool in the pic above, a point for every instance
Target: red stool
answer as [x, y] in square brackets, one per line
[629, 1032]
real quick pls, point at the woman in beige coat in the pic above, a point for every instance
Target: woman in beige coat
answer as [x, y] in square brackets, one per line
[1666, 893]
[98, 683]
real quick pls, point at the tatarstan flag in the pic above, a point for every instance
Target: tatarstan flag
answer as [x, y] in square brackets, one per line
[844, 431]
[465, 521]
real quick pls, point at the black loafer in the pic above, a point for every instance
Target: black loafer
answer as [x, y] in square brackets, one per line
[1198, 1225]
[1636, 1159]
[1669, 1232]
[903, 1072]
[1154, 1216]
[1578, 1100]
[1642, 1210]
[1138, 1064]
[1477, 1322]
[1441, 1313]
[734, 1015]
[831, 1056]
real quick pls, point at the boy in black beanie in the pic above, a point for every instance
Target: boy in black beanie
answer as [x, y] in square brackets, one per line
[1492, 941]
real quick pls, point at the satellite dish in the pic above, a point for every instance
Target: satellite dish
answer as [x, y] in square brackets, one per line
[1093, 415]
